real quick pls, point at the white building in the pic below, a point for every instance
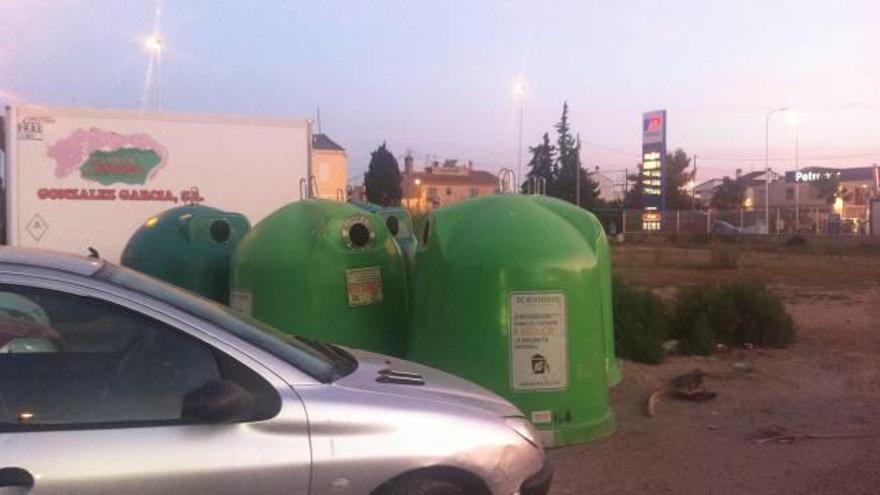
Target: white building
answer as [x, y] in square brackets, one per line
[608, 189]
[703, 192]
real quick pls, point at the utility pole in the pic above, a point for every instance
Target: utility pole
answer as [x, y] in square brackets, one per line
[797, 188]
[320, 131]
[519, 89]
[694, 188]
[577, 180]
[522, 106]
[767, 166]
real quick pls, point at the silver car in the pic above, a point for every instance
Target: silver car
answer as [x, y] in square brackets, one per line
[113, 382]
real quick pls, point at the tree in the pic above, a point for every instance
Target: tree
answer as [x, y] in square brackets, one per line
[542, 164]
[560, 165]
[382, 180]
[676, 177]
[830, 189]
[566, 186]
[565, 141]
[633, 197]
[729, 195]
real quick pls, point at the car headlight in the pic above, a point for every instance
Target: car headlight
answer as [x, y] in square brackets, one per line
[524, 429]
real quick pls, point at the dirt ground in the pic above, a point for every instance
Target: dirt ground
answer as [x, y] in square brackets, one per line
[827, 384]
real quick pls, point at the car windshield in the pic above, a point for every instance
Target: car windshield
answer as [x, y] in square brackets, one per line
[324, 362]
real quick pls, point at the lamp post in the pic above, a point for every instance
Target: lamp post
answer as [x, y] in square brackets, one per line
[795, 122]
[519, 89]
[767, 166]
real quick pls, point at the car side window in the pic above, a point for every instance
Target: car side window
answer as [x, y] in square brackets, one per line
[74, 361]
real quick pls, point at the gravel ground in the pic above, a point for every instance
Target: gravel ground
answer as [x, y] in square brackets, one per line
[827, 384]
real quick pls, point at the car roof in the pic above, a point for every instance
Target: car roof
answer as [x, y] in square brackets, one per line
[40, 258]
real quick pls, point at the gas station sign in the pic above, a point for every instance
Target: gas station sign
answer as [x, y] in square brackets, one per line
[652, 169]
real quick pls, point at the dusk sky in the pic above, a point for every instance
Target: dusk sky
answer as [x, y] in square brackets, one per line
[436, 77]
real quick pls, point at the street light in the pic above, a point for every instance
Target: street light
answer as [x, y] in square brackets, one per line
[155, 45]
[767, 166]
[519, 90]
[794, 121]
[418, 182]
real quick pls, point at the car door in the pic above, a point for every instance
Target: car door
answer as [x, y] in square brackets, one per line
[95, 389]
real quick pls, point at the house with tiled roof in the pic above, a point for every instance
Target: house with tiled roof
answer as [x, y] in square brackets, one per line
[442, 184]
[329, 167]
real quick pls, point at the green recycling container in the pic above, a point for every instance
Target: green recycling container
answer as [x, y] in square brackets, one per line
[400, 224]
[189, 246]
[508, 294]
[324, 270]
[594, 233]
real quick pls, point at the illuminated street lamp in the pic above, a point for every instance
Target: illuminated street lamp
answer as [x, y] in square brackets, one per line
[767, 166]
[418, 182]
[155, 45]
[519, 90]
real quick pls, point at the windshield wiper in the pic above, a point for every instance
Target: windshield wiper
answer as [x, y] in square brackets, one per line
[343, 362]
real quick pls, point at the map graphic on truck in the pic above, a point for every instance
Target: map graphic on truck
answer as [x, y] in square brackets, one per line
[108, 157]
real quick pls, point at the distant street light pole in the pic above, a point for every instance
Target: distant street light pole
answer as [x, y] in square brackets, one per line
[797, 185]
[767, 166]
[794, 121]
[519, 90]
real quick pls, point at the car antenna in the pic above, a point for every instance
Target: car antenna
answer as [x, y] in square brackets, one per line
[93, 253]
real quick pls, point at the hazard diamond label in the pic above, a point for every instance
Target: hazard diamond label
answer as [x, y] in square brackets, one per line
[37, 227]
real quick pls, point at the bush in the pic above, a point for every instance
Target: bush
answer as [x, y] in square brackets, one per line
[796, 240]
[724, 257]
[641, 323]
[735, 314]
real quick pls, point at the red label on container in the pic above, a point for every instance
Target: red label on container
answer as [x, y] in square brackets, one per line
[364, 286]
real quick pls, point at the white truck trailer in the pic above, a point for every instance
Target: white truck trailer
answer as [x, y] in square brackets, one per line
[79, 178]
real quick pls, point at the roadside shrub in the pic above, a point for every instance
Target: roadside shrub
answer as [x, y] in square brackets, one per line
[724, 256]
[796, 240]
[641, 322]
[735, 314]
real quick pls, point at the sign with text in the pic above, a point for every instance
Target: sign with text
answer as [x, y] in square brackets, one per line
[538, 341]
[82, 178]
[652, 168]
[811, 175]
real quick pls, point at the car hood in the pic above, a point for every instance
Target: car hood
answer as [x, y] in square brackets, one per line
[438, 386]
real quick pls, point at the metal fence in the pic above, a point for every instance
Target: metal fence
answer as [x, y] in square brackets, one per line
[781, 221]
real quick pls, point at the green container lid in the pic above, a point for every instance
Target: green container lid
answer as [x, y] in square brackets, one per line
[508, 293]
[189, 246]
[327, 271]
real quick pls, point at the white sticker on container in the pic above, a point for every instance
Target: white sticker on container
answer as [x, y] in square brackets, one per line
[539, 417]
[364, 286]
[538, 341]
[241, 300]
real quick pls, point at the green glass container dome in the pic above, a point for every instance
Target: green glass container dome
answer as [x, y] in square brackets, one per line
[327, 271]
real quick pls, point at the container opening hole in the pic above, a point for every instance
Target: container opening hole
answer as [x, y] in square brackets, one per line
[359, 235]
[220, 231]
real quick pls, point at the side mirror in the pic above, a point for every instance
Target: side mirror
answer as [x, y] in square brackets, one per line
[219, 401]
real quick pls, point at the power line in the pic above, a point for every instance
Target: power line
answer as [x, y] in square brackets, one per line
[721, 158]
